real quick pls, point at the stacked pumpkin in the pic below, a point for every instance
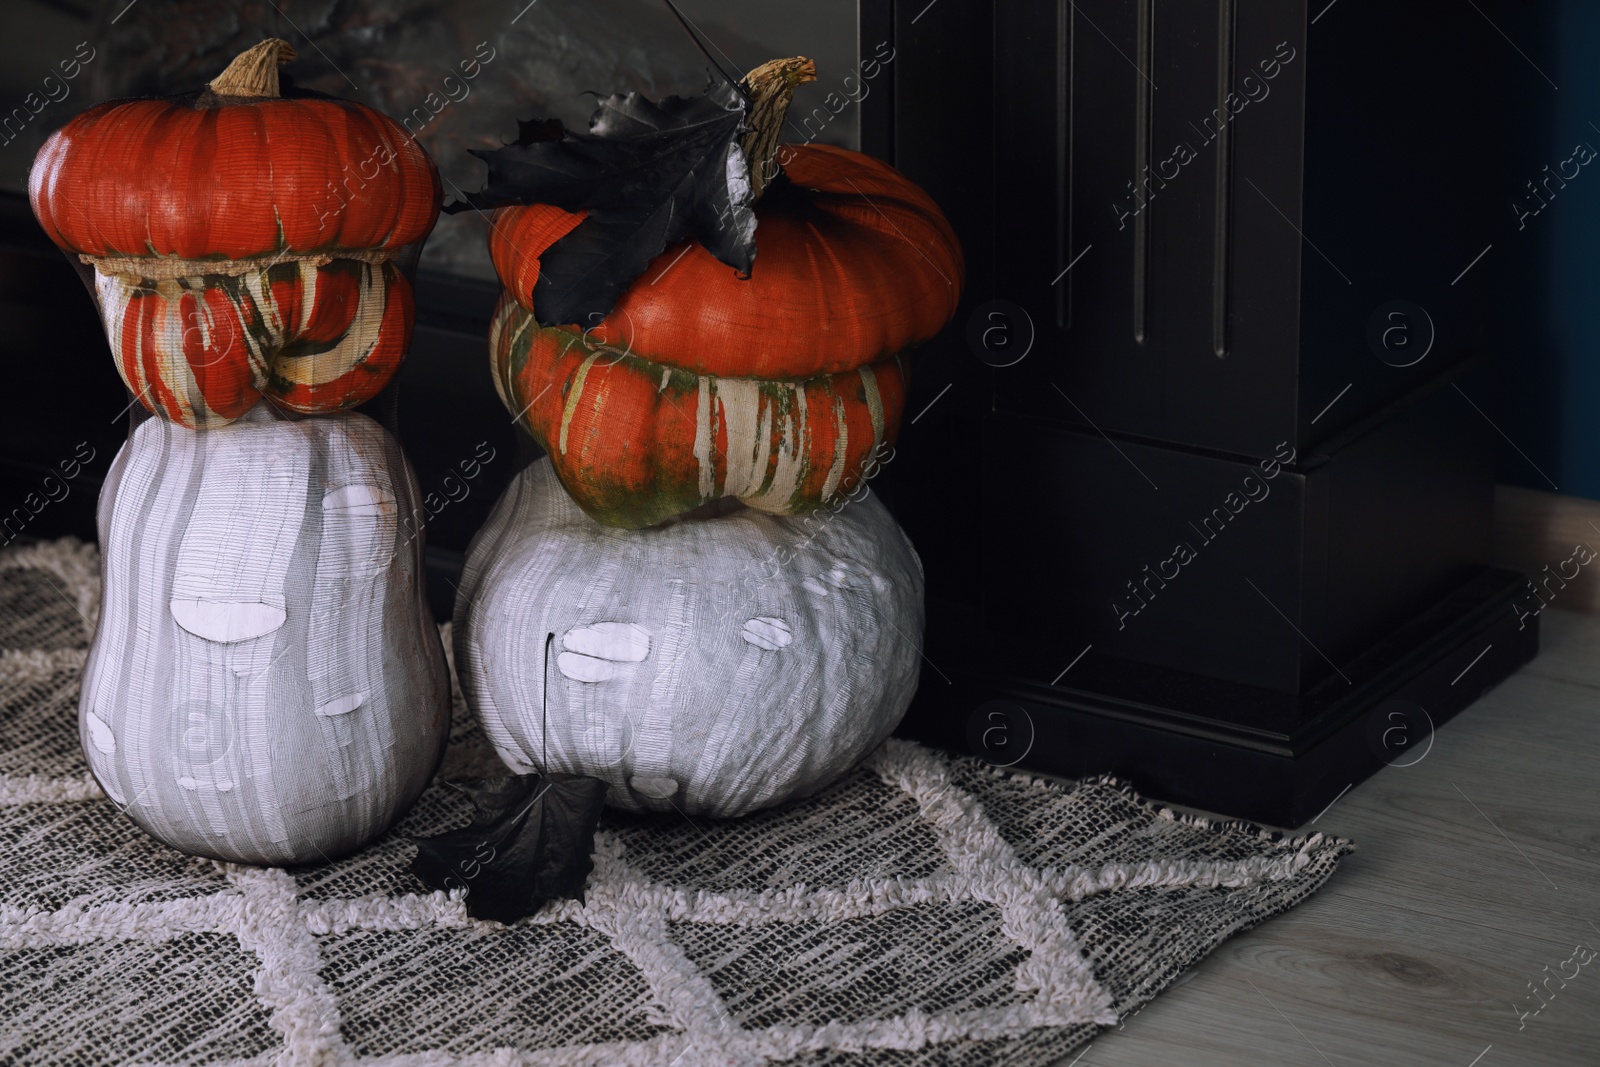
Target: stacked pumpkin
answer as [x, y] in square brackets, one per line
[720, 649]
[265, 683]
[244, 244]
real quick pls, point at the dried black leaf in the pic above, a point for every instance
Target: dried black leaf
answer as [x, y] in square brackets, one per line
[649, 175]
[530, 841]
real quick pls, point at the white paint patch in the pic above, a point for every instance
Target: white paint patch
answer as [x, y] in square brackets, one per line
[655, 788]
[358, 531]
[343, 705]
[227, 622]
[582, 668]
[239, 537]
[739, 402]
[620, 642]
[100, 734]
[768, 633]
[355, 500]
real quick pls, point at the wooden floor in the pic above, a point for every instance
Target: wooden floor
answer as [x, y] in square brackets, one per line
[1476, 876]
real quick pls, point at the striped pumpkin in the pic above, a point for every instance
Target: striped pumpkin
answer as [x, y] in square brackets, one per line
[244, 241]
[201, 351]
[266, 684]
[637, 442]
[776, 389]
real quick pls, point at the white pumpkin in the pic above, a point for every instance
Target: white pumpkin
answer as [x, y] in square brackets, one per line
[715, 666]
[266, 684]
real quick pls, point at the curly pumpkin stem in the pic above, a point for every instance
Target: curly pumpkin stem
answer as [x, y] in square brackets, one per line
[254, 72]
[770, 88]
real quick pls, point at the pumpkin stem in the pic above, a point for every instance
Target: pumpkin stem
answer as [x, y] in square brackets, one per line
[770, 88]
[254, 72]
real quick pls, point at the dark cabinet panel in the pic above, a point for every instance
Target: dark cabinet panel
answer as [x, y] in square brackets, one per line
[1271, 573]
[1237, 194]
[1208, 235]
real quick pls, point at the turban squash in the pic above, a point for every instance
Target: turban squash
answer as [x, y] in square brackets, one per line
[244, 241]
[777, 389]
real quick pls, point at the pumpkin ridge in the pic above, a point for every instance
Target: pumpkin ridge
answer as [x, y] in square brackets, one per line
[160, 131]
[156, 386]
[256, 332]
[851, 318]
[898, 233]
[206, 131]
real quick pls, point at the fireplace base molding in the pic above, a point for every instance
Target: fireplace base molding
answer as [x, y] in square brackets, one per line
[1158, 729]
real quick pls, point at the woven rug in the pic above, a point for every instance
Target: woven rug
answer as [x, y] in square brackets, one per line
[925, 910]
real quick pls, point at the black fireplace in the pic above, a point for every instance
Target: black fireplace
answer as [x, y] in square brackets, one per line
[1203, 497]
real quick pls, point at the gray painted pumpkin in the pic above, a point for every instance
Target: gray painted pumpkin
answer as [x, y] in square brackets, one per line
[712, 665]
[266, 684]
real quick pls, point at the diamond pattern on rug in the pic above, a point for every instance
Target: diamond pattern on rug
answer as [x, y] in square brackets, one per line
[95, 855]
[860, 828]
[1087, 825]
[931, 958]
[923, 911]
[188, 1000]
[35, 613]
[39, 719]
[466, 990]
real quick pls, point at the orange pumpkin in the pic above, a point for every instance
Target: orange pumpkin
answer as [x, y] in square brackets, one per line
[637, 442]
[776, 389]
[201, 213]
[853, 263]
[235, 173]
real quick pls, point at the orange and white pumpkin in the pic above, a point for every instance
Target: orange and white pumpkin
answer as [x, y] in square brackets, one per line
[776, 389]
[637, 441]
[244, 242]
[202, 351]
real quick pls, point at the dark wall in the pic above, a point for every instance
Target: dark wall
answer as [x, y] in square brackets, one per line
[1547, 262]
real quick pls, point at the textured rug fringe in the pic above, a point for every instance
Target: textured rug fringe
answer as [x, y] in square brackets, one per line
[1282, 838]
[36, 789]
